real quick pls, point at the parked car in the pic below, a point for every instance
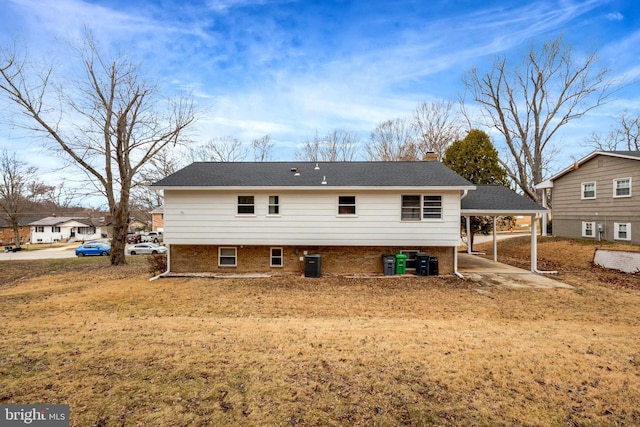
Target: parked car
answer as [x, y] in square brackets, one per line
[94, 248]
[152, 236]
[146, 249]
[134, 238]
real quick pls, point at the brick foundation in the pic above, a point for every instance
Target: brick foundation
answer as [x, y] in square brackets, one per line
[335, 259]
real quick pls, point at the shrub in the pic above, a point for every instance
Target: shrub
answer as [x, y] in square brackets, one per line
[157, 263]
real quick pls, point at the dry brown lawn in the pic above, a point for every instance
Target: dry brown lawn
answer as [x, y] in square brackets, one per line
[123, 351]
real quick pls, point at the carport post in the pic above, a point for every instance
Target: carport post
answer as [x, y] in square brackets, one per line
[468, 221]
[495, 242]
[534, 245]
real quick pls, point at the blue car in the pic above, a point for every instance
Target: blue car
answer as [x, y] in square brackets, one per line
[94, 248]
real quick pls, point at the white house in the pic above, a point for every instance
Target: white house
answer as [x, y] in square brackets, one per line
[267, 216]
[62, 229]
[241, 217]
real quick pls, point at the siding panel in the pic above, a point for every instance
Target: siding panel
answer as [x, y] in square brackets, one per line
[209, 217]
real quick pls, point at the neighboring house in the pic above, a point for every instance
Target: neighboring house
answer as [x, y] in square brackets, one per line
[598, 197]
[7, 236]
[62, 229]
[135, 225]
[157, 219]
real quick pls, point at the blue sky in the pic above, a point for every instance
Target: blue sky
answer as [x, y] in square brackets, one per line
[291, 68]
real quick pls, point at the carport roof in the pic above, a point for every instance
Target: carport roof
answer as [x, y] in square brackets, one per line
[492, 200]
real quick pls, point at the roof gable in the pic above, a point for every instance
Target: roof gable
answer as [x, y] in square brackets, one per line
[632, 155]
[314, 175]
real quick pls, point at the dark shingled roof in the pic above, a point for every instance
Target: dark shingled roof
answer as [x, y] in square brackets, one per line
[336, 174]
[498, 199]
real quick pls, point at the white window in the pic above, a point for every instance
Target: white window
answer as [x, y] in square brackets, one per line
[346, 205]
[415, 208]
[588, 229]
[588, 190]
[55, 229]
[274, 205]
[276, 257]
[246, 205]
[39, 229]
[622, 187]
[621, 231]
[432, 207]
[410, 208]
[227, 257]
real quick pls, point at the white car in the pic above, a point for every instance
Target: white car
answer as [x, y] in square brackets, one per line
[146, 249]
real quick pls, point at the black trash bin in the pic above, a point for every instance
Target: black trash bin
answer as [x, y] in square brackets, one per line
[433, 266]
[389, 264]
[422, 264]
[312, 265]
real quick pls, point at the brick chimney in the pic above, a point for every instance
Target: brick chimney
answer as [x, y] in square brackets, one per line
[430, 156]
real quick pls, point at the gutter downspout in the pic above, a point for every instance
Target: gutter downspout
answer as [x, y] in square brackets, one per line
[168, 266]
[455, 251]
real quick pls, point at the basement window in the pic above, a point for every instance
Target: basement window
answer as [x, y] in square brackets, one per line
[622, 231]
[588, 229]
[227, 257]
[276, 257]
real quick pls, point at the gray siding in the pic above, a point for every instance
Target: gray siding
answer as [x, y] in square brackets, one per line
[570, 210]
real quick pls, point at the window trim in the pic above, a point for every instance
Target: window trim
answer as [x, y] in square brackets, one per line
[593, 229]
[235, 256]
[39, 229]
[582, 186]
[421, 208]
[615, 187]
[347, 206]
[272, 257]
[238, 205]
[55, 229]
[616, 231]
[275, 205]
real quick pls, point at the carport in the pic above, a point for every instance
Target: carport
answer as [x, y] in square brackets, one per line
[495, 201]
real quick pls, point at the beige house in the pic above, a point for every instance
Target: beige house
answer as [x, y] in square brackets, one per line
[595, 197]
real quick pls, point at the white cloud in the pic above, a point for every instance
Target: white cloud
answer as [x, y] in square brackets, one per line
[614, 16]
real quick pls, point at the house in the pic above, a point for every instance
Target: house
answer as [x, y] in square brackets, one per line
[157, 219]
[241, 217]
[266, 217]
[7, 236]
[595, 197]
[63, 229]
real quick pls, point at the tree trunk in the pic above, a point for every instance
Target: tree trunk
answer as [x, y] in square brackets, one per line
[16, 234]
[119, 239]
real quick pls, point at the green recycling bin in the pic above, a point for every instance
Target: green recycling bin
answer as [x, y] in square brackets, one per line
[401, 263]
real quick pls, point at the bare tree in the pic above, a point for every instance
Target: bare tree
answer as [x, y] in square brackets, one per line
[625, 136]
[19, 190]
[109, 123]
[437, 125]
[528, 105]
[336, 146]
[262, 148]
[167, 161]
[393, 140]
[220, 149]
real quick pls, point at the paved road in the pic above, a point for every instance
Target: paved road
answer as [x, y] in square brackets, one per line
[67, 251]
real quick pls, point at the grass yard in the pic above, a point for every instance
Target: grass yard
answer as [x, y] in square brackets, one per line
[123, 351]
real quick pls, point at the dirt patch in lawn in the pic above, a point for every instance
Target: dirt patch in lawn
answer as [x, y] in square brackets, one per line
[121, 350]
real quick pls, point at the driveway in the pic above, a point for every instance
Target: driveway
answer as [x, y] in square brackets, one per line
[67, 251]
[488, 272]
